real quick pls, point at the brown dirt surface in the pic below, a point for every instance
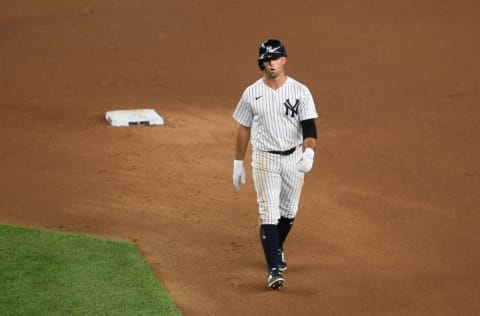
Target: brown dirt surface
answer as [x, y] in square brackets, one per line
[389, 221]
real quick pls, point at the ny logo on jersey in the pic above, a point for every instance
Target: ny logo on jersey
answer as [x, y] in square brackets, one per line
[292, 108]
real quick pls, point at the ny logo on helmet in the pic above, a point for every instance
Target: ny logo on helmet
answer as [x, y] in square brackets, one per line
[293, 108]
[271, 50]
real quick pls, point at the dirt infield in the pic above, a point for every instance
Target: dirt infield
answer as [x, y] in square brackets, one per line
[389, 221]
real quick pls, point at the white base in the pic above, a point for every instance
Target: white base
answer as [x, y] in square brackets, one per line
[134, 117]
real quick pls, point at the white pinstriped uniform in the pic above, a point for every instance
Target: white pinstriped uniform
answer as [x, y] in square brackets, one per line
[274, 118]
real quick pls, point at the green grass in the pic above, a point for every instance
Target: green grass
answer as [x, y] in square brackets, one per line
[52, 273]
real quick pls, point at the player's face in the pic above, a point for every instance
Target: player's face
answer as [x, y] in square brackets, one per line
[275, 67]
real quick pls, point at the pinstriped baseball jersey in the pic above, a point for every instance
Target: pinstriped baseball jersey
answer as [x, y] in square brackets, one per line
[274, 115]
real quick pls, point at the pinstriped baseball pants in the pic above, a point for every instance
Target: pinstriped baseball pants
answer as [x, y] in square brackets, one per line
[278, 184]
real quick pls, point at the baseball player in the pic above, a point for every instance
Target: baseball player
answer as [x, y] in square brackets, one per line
[277, 115]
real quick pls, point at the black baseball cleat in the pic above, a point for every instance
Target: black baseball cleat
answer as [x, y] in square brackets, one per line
[275, 279]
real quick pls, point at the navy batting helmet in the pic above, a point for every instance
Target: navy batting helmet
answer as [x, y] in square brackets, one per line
[270, 49]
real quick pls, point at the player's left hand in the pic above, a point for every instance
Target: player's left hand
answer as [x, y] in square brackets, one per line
[306, 162]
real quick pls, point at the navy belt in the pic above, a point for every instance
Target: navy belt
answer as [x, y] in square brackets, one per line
[284, 153]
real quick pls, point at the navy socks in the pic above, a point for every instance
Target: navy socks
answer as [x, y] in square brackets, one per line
[270, 242]
[272, 238]
[284, 226]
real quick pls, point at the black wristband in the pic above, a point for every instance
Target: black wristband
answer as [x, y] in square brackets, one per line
[309, 128]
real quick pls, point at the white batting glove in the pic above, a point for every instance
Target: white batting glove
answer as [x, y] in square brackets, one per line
[238, 173]
[306, 162]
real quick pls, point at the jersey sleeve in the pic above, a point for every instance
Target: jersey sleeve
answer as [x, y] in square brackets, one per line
[243, 113]
[307, 108]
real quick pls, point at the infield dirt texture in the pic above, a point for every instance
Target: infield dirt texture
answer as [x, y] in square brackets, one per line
[388, 221]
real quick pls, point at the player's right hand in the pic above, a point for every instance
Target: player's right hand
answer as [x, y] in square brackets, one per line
[238, 173]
